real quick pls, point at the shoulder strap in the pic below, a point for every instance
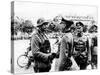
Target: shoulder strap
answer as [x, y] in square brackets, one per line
[72, 47]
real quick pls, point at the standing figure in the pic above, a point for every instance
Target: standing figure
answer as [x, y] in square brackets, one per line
[81, 47]
[65, 48]
[41, 49]
[94, 46]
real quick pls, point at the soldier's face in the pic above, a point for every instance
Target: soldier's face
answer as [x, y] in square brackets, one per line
[44, 28]
[95, 29]
[79, 28]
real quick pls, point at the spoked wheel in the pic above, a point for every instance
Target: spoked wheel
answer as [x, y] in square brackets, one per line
[22, 61]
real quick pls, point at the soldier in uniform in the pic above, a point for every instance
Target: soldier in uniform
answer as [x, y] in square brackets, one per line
[40, 47]
[94, 46]
[65, 51]
[81, 47]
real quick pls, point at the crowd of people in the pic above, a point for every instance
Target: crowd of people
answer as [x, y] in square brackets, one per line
[76, 41]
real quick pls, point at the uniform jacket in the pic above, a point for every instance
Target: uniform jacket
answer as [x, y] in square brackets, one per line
[40, 55]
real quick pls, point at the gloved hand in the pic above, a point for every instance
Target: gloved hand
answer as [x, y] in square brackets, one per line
[52, 56]
[68, 62]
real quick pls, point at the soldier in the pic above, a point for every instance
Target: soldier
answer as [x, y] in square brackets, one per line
[65, 51]
[41, 49]
[94, 46]
[81, 47]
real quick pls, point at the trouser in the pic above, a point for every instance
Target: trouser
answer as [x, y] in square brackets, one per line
[36, 69]
[42, 67]
[81, 61]
[94, 61]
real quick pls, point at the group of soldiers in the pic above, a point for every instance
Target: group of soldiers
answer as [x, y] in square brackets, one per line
[76, 44]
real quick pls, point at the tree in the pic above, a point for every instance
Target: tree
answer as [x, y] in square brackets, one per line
[15, 26]
[27, 27]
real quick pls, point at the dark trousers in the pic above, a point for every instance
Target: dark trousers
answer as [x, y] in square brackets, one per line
[42, 67]
[81, 61]
[94, 61]
[36, 69]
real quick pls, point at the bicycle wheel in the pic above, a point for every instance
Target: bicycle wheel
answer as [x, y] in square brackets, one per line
[22, 61]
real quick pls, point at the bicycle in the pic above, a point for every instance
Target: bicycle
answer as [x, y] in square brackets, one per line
[24, 59]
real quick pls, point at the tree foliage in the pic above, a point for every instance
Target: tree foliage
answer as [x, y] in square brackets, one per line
[17, 25]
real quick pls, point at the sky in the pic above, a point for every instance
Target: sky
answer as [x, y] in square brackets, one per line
[34, 11]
